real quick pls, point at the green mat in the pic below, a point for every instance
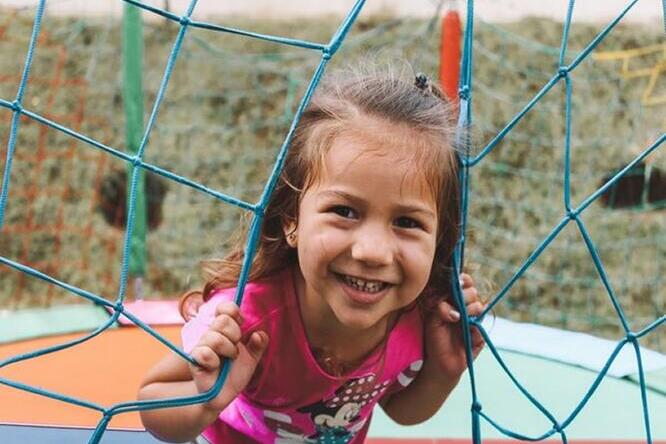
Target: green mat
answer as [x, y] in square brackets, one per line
[614, 412]
[40, 322]
[655, 380]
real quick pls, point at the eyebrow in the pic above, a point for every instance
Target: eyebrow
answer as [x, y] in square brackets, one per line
[408, 208]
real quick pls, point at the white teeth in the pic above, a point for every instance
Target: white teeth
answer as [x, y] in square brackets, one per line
[363, 285]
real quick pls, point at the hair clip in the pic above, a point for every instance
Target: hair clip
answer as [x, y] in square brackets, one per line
[421, 81]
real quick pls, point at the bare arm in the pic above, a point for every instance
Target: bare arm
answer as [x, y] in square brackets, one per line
[170, 378]
[174, 377]
[445, 361]
[419, 401]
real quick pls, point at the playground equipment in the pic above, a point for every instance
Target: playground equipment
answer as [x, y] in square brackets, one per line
[506, 223]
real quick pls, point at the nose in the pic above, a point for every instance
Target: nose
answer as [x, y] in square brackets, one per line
[373, 246]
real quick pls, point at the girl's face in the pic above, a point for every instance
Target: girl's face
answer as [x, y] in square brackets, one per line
[366, 230]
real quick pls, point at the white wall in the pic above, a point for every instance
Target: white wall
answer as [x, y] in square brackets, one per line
[645, 11]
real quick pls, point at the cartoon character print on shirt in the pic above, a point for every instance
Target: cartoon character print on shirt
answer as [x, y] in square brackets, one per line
[337, 419]
[287, 432]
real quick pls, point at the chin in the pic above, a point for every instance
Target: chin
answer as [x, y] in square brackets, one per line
[358, 321]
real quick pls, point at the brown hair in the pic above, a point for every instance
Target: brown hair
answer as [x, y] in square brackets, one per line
[342, 100]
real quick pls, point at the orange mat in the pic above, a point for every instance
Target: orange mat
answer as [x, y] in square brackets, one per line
[105, 370]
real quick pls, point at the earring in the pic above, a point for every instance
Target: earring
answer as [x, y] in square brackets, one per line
[291, 239]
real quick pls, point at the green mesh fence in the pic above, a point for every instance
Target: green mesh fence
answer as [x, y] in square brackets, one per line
[515, 191]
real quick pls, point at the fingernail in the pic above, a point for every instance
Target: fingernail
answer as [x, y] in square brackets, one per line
[461, 282]
[455, 315]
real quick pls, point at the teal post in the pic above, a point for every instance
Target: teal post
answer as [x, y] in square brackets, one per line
[133, 99]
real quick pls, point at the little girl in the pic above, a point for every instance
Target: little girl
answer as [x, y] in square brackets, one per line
[348, 303]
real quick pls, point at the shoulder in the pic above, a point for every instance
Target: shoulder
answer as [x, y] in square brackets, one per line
[261, 298]
[405, 342]
[409, 326]
[404, 353]
[261, 301]
[264, 298]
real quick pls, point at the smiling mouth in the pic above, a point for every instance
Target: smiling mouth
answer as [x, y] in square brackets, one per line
[364, 285]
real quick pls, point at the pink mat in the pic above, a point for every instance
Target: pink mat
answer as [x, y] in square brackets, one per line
[153, 313]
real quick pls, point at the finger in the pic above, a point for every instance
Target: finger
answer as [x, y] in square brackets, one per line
[205, 357]
[475, 308]
[466, 280]
[244, 367]
[220, 344]
[470, 294]
[229, 308]
[257, 344]
[227, 326]
[448, 312]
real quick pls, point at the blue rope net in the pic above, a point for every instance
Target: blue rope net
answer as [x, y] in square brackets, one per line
[571, 214]
[516, 191]
[186, 22]
[226, 93]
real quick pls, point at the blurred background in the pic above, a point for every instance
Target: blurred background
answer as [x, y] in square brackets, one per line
[231, 100]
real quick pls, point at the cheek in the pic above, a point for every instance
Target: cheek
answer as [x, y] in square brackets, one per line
[325, 242]
[318, 247]
[418, 260]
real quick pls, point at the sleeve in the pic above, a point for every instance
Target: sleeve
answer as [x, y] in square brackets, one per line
[406, 351]
[198, 325]
[404, 378]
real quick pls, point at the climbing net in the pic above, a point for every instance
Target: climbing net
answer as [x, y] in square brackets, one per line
[571, 215]
[66, 213]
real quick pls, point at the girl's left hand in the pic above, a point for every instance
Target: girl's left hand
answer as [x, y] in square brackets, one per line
[444, 342]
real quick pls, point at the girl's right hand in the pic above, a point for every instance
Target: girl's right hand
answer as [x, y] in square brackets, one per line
[223, 340]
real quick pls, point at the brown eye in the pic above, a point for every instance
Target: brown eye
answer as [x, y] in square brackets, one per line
[344, 211]
[407, 222]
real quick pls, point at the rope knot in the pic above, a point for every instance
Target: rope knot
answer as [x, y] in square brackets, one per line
[16, 106]
[563, 71]
[631, 337]
[259, 210]
[476, 406]
[185, 21]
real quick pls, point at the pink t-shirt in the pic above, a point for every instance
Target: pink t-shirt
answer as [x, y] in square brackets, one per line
[290, 398]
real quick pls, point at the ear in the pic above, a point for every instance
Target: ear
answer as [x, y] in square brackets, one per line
[290, 230]
[190, 303]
